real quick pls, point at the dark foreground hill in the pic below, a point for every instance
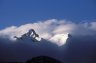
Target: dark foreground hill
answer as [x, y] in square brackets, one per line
[43, 59]
[39, 59]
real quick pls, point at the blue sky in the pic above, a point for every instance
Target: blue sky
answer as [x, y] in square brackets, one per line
[18, 12]
[52, 28]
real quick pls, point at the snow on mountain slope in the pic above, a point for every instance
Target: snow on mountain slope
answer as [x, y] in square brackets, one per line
[25, 47]
[59, 39]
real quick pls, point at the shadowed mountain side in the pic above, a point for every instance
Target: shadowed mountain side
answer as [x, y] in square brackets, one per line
[43, 59]
[80, 49]
[20, 51]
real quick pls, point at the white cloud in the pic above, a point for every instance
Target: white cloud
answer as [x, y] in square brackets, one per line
[49, 28]
[59, 39]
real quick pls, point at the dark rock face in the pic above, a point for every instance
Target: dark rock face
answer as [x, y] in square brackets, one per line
[43, 59]
[30, 35]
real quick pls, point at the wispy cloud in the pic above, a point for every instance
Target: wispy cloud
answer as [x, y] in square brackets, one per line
[49, 28]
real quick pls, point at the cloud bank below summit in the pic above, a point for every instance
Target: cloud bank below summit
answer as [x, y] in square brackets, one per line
[50, 29]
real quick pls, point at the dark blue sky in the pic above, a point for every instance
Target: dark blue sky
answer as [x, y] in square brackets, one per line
[18, 12]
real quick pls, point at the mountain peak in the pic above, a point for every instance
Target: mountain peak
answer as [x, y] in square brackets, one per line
[31, 35]
[60, 39]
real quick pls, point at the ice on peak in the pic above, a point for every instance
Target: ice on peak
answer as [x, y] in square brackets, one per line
[60, 39]
[31, 35]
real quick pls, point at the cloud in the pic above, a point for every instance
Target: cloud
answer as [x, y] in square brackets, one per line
[59, 39]
[49, 28]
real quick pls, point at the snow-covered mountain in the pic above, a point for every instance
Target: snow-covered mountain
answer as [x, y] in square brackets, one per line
[28, 46]
[32, 36]
[76, 49]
